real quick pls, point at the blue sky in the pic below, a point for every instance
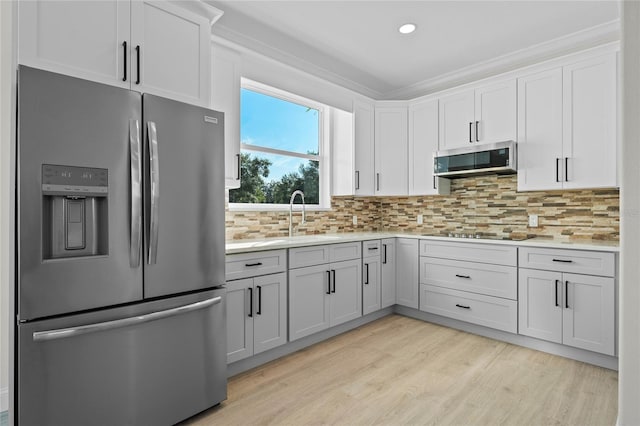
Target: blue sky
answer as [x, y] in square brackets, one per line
[272, 122]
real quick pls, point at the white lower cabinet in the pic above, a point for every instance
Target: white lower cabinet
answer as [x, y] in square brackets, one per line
[407, 272]
[371, 277]
[256, 315]
[388, 272]
[324, 295]
[572, 309]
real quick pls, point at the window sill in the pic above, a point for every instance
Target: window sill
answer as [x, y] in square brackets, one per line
[238, 207]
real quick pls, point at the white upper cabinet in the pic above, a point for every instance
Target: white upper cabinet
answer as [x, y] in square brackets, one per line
[456, 120]
[363, 136]
[79, 38]
[567, 118]
[423, 142]
[540, 130]
[484, 114]
[155, 47]
[225, 97]
[589, 115]
[391, 151]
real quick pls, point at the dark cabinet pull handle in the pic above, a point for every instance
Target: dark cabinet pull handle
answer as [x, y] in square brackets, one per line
[333, 271]
[566, 169]
[477, 139]
[462, 306]
[138, 63]
[239, 166]
[377, 181]
[434, 183]
[250, 302]
[328, 282]
[259, 311]
[384, 261]
[557, 293]
[124, 45]
[463, 276]
[373, 248]
[366, 281]
[563, 260]
[253, 264]
[470, 126]
[566, 294]
[357, 179]
[557, 169]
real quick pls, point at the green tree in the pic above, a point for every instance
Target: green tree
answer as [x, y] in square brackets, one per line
[253, 170]
[305, 179]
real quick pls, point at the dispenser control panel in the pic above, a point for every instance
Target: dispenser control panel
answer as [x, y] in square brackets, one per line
[68, 180]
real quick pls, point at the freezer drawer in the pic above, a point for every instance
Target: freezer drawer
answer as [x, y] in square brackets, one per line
[147, 364]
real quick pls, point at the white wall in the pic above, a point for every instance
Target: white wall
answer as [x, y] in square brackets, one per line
[629, 294]
[7, 94]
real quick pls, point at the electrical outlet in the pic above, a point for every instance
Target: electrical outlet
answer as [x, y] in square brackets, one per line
[355, 219]
[533, 220]
[420, 219]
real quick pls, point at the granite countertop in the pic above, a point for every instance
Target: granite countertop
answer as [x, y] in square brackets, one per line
[246, 246]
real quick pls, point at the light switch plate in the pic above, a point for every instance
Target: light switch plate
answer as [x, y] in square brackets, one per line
[420, 219]
[533, 220]
[355, 219]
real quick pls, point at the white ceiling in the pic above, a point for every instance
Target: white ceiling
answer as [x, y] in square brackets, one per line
[356, 43]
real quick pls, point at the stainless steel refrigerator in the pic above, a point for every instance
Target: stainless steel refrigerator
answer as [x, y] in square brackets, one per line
[120, 239]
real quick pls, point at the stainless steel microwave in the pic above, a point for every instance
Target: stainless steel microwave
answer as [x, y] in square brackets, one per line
[499, 158]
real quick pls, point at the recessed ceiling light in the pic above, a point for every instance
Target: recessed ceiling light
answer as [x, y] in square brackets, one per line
[407, 28]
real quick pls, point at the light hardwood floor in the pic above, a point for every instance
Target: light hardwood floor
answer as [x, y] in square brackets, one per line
[398, 370]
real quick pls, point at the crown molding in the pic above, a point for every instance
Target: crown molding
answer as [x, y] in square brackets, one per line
[580, 40]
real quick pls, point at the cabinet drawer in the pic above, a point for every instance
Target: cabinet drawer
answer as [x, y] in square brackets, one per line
[245, 265]
[371, 249]
[300, 257]
[345, 251]
[472, 252]
[480, 278]
[487, 311]
[575, 261]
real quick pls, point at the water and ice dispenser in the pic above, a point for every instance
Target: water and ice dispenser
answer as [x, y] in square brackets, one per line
[75, 211]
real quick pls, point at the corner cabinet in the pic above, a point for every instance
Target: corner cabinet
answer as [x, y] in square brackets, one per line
[567, 126]
[363, 136]
[155, 47]
[225, 97]
[391, 154]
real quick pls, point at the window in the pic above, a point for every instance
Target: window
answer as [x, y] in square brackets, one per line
[282, 149]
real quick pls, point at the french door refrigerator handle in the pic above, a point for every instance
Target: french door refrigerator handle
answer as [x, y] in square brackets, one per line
[155, 192]
[62, 333]
[136, 193]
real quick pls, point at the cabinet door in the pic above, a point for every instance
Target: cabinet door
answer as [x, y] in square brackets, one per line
[423, 142]
[589, 313]
[407, 284]
[540, 304]
[309, 295]
[174, 49]
[270, 313]
[78, 38]
[456, 120]
[540, 131]
[388, 275]
[346, 296]
[363, 129]
[225, 97]
[391, 151]
[590, 120]
[239, 319]
[495, 112]
[371, 291]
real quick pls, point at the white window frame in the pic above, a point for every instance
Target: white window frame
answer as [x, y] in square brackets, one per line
[324, 172]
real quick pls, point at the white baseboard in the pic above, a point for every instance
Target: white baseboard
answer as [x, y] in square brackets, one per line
[4, 399]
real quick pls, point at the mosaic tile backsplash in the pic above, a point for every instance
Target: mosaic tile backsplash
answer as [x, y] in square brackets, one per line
[489, 205]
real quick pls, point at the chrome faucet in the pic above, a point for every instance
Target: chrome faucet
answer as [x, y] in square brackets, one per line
[293, 196]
